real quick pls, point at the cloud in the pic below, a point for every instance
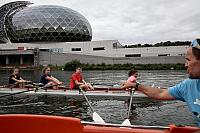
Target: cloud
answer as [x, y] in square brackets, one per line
[138, 21]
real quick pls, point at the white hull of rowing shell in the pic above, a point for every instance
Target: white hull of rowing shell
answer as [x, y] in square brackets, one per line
[75, 93]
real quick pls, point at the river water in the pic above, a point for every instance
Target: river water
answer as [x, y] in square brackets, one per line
[160, 113]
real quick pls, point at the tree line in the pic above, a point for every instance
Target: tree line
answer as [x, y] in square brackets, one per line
[167, 43]
[128, 66]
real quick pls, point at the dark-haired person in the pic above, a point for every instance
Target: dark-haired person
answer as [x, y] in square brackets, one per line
[15, 79]
[77, 80]
[48, 80]
[187, 91]
[132, 76]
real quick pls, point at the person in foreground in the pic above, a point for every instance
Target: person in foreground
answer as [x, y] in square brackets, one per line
[187, 91]
[49, 80]
[15, 79]
[77, 80]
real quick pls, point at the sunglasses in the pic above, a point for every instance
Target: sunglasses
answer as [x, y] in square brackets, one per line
[196, 43]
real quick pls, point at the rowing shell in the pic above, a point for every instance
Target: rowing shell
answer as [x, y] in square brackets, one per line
[106, 92]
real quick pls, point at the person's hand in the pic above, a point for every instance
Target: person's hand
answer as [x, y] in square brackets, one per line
[128, 85]
[23, 81]
[27, 81]
[91, 88]
[59, 83]
[20, 81]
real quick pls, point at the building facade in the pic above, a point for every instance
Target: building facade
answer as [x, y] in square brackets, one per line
[93, 52]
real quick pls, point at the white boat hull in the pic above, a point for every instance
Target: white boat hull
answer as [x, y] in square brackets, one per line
[104, 94]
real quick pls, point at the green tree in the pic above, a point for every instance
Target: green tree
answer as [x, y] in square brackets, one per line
[72, 65]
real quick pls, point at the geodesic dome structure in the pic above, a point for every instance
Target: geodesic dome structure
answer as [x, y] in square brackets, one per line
[22, 24]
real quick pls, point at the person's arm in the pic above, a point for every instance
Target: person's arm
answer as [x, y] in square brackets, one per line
[13, 78]
[153, 92]
[55, 80]
[78, 83]
[22, 80]
[84, 81]
[88, 85]
[51, 78]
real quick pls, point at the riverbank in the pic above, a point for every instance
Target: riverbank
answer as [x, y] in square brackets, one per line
[20, 67]
[73, 64]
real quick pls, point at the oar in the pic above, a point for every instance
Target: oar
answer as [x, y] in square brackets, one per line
[16, 93]
[95, 116]
[35, 89]
[127, 122]
[104, 84]
[14, 85]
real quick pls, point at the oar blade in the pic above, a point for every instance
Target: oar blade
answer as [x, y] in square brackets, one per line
[126, 123]
[97, 118]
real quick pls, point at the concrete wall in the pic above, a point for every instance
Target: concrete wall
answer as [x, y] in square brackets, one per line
[46, 58]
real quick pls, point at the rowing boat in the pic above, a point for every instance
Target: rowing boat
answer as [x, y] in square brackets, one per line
[98, 92]
[23, 123]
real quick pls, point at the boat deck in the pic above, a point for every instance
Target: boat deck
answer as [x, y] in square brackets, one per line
[98, 92]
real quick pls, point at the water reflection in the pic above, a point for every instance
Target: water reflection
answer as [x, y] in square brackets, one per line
[44, 104]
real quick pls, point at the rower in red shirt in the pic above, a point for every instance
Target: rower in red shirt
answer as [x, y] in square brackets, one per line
[77, 81]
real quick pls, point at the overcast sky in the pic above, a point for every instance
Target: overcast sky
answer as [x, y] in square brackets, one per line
[136, 21]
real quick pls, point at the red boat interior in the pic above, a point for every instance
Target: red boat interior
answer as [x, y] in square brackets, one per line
[27, 123]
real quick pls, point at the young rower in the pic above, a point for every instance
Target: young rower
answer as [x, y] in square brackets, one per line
[49, 80]
[16, 80]
[132, 76]
[77, 80]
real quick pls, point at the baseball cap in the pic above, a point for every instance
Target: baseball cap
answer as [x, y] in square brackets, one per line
[196, 43]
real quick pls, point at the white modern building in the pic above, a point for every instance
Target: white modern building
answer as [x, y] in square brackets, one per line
[107, 48]
[94, 52]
